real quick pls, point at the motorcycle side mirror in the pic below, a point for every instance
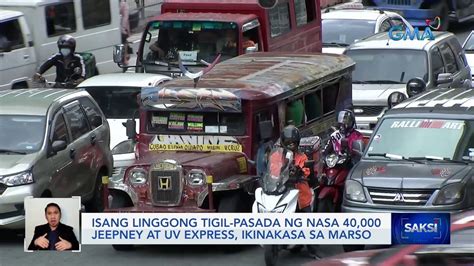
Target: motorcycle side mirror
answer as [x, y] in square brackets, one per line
[119, 53]
[130, 126]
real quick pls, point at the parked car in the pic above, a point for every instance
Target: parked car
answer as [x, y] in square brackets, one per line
[341, 28]
[384, 66]
[459, 252]
[116, 94]
[468, 47]
[53, 143]
[420, 157]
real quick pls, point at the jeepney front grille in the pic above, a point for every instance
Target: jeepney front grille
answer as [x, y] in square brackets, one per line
[412, 197]
[399, 2]
[368, 110]
[167, 192]
[3, 187]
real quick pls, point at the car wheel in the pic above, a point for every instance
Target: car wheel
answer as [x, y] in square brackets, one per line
[96, 204]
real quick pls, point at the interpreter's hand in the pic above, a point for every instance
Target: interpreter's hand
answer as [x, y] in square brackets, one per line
[63, 245]
[42, 241]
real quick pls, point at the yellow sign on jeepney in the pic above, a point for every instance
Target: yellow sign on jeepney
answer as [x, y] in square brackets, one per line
[195, 143]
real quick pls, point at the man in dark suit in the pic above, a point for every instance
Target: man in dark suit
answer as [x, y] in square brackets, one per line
[54, 235]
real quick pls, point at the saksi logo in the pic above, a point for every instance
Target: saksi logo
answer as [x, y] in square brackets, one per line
[421, 227]
[396, 33]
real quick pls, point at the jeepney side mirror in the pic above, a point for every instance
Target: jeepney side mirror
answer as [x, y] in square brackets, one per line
[395, 98]
[119, 53]
[266, 129]
[130, 125]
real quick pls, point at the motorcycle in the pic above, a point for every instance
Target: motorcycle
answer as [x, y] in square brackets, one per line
[277, 194]
[70, 83]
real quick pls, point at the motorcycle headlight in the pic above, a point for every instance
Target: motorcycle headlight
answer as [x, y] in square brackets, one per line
[450, 194]
[137, 176]
[124, 147]
[196, 177]
[331, 160]
[22, 178]
[354, 191]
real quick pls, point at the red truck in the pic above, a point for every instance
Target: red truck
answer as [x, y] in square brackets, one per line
[196, 31]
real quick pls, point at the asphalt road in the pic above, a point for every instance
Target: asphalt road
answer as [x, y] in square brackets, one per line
[11, 245]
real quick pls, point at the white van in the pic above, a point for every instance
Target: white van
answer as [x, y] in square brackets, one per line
[116, 94]
[29, 30]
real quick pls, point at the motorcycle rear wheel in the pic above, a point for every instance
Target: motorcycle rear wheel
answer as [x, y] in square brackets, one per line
[271, 255]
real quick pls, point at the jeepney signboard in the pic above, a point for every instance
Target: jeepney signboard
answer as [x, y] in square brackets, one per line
[195, 143]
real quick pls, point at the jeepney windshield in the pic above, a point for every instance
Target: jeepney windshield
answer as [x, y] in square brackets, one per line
[212, 123]
[192, 41]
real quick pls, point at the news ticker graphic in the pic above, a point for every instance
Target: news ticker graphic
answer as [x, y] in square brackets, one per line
[417, 228]
[236, 228]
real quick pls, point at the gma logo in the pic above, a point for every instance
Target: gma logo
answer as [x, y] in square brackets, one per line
[396, 33]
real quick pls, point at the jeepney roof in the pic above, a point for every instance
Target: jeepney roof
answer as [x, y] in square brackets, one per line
[266, 75]
[227, 17]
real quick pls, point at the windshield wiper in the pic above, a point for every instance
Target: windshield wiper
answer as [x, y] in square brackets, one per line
[337, 44]
[438, 159]
[383, 81]
[11, 151]
[393, 157]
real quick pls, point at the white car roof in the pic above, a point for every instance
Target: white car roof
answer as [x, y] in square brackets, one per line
[124, 80]
[353, 14]
[9, 14]
[26, 2]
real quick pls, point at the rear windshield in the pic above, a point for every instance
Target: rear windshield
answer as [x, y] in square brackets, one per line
[116, 102]
[346, 31]
[196, 123]
[423, 137]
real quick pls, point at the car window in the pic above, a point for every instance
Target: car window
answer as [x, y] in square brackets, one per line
[10, 35]
[60, 18]
[449, 58]
[95, 13]
[385, 26]
[90, 108]
[279, 19]
[398, 22]
[457, 48]
[59, 131]
[77, 120]
[437, 66]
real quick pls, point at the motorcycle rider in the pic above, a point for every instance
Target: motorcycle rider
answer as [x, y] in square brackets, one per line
[290, 139]
[70, 67]
[345, 137]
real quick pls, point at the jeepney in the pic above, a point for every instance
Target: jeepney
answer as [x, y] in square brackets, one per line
[198, 134]
[197, 31]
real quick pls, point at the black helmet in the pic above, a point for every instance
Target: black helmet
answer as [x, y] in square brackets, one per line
[346, 121]
[290, 135]
[67, 41]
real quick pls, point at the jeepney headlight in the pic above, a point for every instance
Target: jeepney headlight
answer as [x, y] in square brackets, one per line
[450, 194]
[196, 177]
[137, 176]
[354, 191]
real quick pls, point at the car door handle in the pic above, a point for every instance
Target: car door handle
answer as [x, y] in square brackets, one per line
[26, 56]
[72, 153]
[93, 139]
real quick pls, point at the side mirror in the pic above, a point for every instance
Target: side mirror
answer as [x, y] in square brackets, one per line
[96, 121]
[130, 125]
[395, 98]
[358, 147]
[119, 53]
[415, 86]
[251, 49]
[58, 145]
[444, 78]
[266, 129]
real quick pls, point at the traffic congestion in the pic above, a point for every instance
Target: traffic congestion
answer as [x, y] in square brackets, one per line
[236, 106]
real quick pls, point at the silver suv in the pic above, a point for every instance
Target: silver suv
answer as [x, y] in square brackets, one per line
[384, 66]
[53, 143]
